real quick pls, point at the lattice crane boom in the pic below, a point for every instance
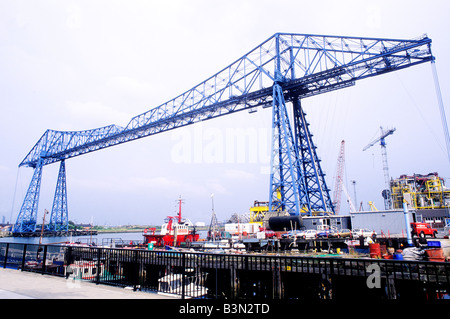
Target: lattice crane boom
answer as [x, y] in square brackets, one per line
[386, 192]
[381, 138]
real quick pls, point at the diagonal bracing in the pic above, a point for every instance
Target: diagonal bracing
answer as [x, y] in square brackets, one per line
[59, 218]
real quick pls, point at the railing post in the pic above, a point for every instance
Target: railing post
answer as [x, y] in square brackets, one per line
[44, 260]
[278, 288]
[23, 256]
[6, 255]
[390, 284]
[136, 279]
[97, 280]
[68, 255]
[183, 275]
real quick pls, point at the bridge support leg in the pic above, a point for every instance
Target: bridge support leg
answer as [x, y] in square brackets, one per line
[285, 174]
[59, 219]
[315, 196]
[26, 220]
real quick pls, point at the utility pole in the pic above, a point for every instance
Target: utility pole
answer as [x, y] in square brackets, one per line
[42, 228]
[354, 191]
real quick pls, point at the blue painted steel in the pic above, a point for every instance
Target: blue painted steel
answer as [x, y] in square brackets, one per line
[301, 65]
[59, 218]
[285, 177]
[26, 220]
[304, 65]
[315, 196]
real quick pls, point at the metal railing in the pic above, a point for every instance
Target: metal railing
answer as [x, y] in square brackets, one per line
[233, 276]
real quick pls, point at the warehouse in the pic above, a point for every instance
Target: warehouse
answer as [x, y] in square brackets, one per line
[382, 222]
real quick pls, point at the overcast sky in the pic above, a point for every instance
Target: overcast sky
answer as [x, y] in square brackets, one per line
[76, 65]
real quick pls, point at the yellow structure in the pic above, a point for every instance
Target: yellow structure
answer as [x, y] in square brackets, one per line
[420, 192]
[258, 211]
[372, 207]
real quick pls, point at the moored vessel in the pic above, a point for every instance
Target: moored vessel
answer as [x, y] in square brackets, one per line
[176, 232]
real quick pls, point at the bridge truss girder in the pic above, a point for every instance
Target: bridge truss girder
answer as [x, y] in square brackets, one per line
[303, 65]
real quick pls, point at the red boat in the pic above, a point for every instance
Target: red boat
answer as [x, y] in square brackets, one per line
[176, 232]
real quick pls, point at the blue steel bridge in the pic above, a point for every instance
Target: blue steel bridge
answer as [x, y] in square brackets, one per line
[278, 73]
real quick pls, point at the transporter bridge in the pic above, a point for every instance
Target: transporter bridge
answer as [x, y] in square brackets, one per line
[278, 73]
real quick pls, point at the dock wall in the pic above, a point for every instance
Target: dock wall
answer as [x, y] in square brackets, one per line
[236, 276]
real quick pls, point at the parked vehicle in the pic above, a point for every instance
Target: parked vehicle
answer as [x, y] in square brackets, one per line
[344, 233]
[327, 233]
[363, 232]
[422, 230]
[270, 233]
[294, 233]
[310, 234]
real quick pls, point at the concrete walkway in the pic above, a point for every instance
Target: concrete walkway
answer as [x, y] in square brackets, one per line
[16, 284]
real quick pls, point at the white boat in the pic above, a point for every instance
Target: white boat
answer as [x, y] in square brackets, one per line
[223, 244]
[86, 270]
[172, 285]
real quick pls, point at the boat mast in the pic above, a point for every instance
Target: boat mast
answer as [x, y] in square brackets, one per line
[180, 201]
[212, 233]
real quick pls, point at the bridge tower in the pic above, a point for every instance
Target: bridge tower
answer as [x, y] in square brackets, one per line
[59, 218]
[26, 220]
[297, 182]
[316, 197]
[286, 177]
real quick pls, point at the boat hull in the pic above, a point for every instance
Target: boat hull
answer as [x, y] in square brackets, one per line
[170, 240]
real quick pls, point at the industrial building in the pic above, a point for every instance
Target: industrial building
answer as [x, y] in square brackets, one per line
[387, 222]
[426, 194]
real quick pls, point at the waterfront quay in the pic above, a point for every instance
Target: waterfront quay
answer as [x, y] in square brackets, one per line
[185, 274]
[16, 284]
